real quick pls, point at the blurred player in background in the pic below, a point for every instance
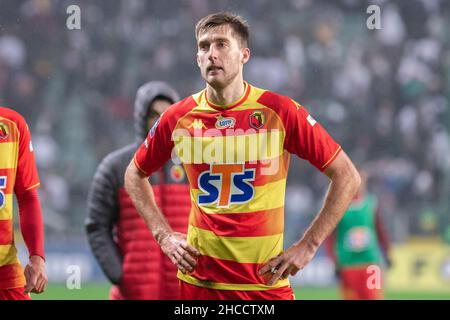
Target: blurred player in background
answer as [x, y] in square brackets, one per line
[18, 175]
[359, 241]
[234, 245]
[119, 238]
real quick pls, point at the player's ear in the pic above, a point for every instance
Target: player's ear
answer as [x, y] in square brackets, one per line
[198, 60]
[245, 55]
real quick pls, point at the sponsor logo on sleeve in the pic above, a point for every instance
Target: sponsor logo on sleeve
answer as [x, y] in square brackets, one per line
[153, 129]
[311, 120]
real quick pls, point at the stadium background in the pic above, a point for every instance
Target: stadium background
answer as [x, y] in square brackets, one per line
[383, 94]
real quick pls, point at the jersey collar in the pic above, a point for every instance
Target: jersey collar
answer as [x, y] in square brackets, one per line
[233, 104]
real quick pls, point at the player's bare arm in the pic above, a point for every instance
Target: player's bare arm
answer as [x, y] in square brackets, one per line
[32, 230]
[345, 182]
[173, 244]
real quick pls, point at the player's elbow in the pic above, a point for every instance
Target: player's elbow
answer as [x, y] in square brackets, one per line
[354, 180]
[130, 178]
[134, 178]
[347, 177]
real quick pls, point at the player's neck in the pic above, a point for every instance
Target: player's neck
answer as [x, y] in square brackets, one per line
[227, 95]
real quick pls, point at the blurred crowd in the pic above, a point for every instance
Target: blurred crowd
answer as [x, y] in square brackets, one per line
[383, 94]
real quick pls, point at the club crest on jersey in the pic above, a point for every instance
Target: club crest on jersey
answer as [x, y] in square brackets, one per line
[226, 184]
[257, 119]
[225, 122]
[358, 238]
[4, 131]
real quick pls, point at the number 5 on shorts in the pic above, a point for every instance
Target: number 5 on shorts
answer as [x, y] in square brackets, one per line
[2, 194]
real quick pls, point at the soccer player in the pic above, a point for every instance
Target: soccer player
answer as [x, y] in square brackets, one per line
[234, 141]
[358, 244]
[121, 242]
[18, 175]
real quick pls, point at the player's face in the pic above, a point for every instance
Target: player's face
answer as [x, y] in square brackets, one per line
[220, 57]
[156, 109]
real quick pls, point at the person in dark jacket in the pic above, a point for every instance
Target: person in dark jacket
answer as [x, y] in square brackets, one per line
[122, 244]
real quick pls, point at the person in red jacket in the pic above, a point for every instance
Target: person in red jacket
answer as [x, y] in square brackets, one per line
[19, 176]
[122, 244]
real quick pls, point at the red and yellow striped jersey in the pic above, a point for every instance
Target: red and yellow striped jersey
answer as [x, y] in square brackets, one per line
[236, 158]
[18, 173]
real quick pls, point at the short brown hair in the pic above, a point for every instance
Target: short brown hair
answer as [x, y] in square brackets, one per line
[236, 22]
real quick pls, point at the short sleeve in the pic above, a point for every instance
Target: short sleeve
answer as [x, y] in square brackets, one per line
[27, 175]
[306, 138]
[156, 148]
